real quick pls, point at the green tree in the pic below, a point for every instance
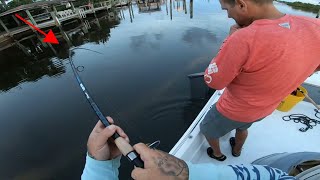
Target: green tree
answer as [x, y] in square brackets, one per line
[4, 3]
[16, 3]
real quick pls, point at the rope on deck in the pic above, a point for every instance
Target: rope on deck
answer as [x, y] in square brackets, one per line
[303, 119]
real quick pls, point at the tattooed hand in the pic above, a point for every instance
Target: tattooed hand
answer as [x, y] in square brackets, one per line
[159, 165]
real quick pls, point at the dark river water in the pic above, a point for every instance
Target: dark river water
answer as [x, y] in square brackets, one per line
[140, 79]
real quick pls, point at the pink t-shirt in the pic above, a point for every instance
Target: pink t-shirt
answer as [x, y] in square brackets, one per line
[261, 64]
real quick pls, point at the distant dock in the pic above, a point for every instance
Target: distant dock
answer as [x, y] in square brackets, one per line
[49, 15]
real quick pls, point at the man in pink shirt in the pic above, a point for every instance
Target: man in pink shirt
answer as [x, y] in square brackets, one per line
[258, 65]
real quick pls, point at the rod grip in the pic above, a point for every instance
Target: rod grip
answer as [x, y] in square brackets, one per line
[128, 151]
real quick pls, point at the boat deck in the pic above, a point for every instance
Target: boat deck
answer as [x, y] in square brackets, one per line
[271, 135]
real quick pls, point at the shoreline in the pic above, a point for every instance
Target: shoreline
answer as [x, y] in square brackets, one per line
[302, 6]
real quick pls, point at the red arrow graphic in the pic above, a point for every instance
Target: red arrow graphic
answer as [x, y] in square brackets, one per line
[49, 38]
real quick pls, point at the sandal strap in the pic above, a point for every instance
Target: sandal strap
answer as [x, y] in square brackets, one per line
[232, 144]
[211, 154]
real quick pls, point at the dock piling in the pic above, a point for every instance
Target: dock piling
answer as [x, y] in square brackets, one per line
[5, 27]
[30, 17]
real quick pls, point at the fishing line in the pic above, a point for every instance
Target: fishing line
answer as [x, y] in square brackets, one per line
[125, 148]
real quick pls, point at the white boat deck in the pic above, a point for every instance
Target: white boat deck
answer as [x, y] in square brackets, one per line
[314, 79]
[271, 135]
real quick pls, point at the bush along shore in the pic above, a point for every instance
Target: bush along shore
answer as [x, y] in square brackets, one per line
[302, 6]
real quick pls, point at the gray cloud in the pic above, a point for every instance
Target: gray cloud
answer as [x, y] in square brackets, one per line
[198, 36]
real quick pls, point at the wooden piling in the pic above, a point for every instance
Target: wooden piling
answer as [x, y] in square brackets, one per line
[16, 20]
[130, 14]
[98, 23]
[5, 27]
[166, 6]
[23, 48]
[191, 9]
[41, 40]
[54, 9]
[131, 10]
[31, 18]
[72, 7]
[55, 19]
[171, 9]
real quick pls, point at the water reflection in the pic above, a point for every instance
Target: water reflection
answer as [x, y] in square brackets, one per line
[14, 71]
[29, 59]
[147, 6]
[197, 36]
[38, 55]
[146, 41]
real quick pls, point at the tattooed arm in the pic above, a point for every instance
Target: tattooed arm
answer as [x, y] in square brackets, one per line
[159, 165]
[163, 166]
[103, 161]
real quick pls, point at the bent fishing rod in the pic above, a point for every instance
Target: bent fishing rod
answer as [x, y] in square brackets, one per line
[125, 148]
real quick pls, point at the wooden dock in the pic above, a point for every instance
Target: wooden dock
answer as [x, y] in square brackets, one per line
[63, 35]
[53, 18]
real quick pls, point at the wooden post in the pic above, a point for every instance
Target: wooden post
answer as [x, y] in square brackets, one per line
[171, 9]
[98, 23]
[23, 48]
[55, 19]
[178, 5]
[167, 6]
[58, 24]
[41, 40]
[5, 27]
[54, 9]
[122, 14]
[16, 20]
[72, 7]
[93, 10]
[130, 14]
[131, 10]
[66, 37]
[191, 9]
[185, 6]
[30, 17]
[53, 50]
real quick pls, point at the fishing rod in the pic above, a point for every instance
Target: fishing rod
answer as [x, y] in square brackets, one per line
[125, 148]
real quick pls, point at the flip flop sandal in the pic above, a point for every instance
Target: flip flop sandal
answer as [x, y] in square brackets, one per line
[210, 154]
[232, 141]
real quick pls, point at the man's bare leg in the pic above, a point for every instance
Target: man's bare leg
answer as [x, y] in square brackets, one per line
[215, 145]
[241, 136]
